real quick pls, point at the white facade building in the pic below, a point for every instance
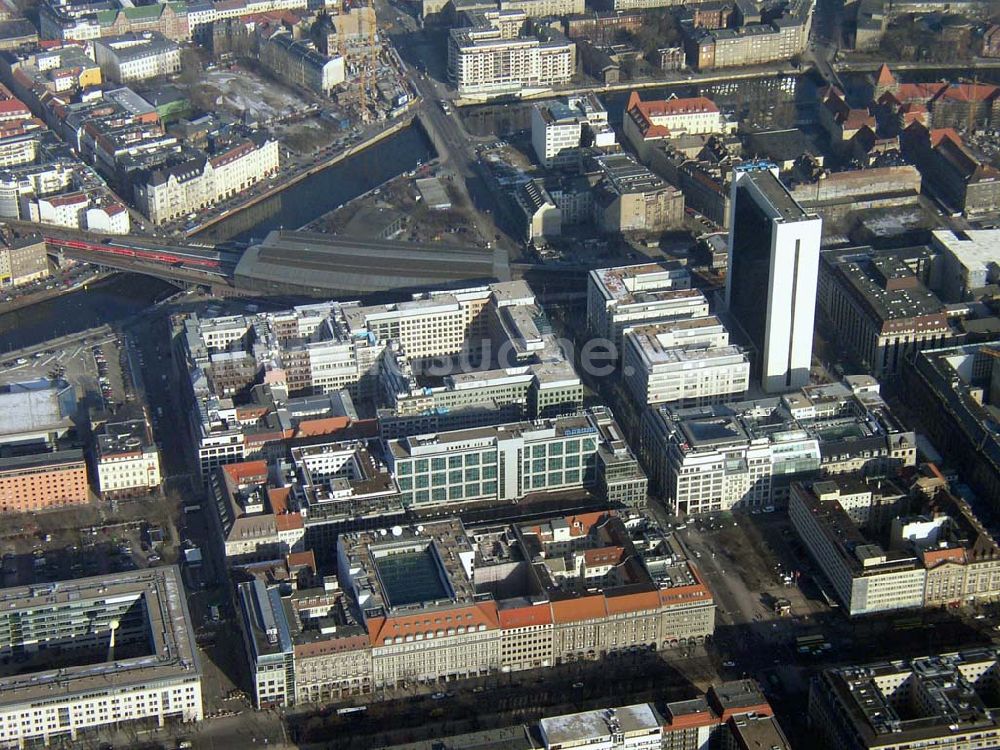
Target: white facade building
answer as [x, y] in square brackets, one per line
[635, 727]
[688, 362]
[709, 459]
[627, 296]
[127, 460]
[489, 60]
[136, 57]
[110, 219]
[41, 706]
[773, 270]
[559, 130]
[66, 210]
[171, 193]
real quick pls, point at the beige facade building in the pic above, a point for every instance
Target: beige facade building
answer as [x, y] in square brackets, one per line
[128, 462]
[439, 601]
[171, 193]
[23, 260]
[939, 554]
[630, 198]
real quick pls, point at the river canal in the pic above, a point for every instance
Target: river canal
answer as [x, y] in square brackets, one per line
[324, 191]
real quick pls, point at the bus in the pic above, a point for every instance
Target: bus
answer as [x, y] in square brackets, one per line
[812, 644]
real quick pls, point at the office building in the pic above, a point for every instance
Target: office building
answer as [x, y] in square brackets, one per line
[40, 481]
[955, 392]
[36, 414]
[883, 548]
[575, 575]
[943, 702]
[128, 462]
[744, 454]
[136, 57]
[516, 368]
[626, 296]
[304, 646]
[559, 130]
[491, 465]
[882, 311]
[732, 716]
[439, 601]
[126, 654]
[970, 262]
[492, 59]
[637, 727]
[686, 362]
[631, 198]
[773, 268]
[866, 576]
[267, 511]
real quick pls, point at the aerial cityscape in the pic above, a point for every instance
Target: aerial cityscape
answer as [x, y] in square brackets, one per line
[500, 374]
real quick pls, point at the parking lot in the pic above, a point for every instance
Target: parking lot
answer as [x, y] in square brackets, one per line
[94, 368]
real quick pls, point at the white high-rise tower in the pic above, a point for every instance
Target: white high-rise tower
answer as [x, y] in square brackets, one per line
[773, 266]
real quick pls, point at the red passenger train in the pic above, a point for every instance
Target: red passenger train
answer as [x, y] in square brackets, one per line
[189, 256]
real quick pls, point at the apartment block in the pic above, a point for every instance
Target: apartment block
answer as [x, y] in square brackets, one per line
[128, 462]
[299, 63]
[128, 657]
[687, 362]
[943, 701]
[492, 59]
[136, 57]
[199, 181]
[751, 44]
[966, 181]
[508, 463]
[744, 454]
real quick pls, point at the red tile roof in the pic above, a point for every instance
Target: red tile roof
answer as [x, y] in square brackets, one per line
[244, 470]
[885, 76]
[523, 617]
[581, 608]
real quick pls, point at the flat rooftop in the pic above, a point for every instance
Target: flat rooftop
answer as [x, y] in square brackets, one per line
[573, 729]
[169, 626]
[780, 200]
[35, 406]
